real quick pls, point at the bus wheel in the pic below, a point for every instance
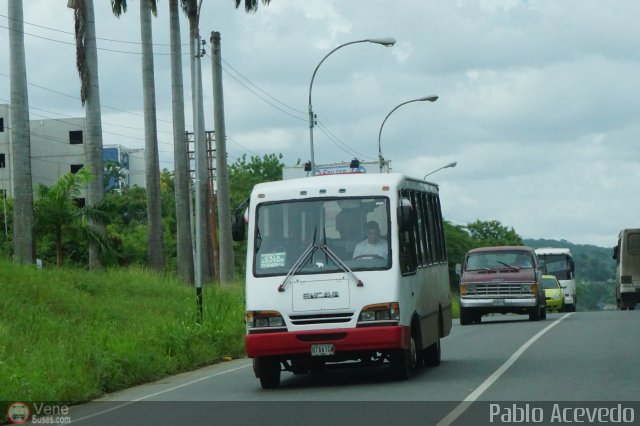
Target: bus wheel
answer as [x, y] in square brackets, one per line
[432, 354]
[268, 369]
[404, 361]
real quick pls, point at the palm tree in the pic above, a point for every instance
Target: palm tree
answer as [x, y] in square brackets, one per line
[23, 246]
[155, 242]
[184, 244]
[87, 64]
[58, 213]
[250, 5]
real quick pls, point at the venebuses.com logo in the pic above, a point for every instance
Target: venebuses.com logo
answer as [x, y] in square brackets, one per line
[20, 413]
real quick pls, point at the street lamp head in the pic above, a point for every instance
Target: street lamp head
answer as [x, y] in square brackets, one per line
[431, 98]
[385, 41]
[452, 164]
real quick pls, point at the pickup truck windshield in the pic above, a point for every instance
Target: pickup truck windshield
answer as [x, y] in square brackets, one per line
[499, 260]
[314, 236]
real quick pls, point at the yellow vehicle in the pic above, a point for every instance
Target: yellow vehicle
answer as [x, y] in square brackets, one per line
[552, 293]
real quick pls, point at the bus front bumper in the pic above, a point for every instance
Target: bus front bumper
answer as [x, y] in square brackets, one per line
[343, 339]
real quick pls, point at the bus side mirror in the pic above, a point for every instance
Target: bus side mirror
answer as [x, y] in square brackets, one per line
[458, 269]
[237, 228]
[615, 252]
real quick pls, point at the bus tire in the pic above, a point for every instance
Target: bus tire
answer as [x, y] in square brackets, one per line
[268, 370]
[432, 354]
[404, 361]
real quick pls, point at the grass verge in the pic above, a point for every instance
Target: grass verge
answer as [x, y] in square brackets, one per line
[68, 335]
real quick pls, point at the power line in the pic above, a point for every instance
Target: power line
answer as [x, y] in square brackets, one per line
[97, 38]
[77, 98]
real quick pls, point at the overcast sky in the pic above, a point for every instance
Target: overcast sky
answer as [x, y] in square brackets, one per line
[539, 100]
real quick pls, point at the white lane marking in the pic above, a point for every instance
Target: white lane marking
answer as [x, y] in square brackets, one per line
[473, 396]
[142, 398]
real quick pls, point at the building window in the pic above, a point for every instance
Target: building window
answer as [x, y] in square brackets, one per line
[2, 161]
[76, 167]
[1, 124]
[75, 137]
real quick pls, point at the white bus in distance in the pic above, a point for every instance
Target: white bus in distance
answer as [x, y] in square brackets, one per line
[627, 256]
[345, 269]
[559, 262]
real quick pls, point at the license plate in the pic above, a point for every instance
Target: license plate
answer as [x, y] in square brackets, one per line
[498, 302]
[323, 349]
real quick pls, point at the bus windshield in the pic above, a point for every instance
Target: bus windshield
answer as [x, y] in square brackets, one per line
[308, 236]
[557, 264]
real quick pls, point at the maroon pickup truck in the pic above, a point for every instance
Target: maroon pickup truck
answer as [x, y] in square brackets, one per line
[503, 279]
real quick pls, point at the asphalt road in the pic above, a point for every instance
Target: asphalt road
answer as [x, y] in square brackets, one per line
[565, 369]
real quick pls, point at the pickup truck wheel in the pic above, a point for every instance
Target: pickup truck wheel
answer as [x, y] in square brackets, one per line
[268, 370]
[465, 316]
[534, 314]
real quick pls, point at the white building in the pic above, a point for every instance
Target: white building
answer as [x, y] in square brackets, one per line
[57, 147]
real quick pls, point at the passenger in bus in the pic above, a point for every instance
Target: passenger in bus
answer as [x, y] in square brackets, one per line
[350, 234]
[373, 245]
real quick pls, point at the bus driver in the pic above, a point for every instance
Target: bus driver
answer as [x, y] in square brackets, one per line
[373, 245]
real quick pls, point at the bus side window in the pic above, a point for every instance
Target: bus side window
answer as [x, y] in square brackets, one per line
[406, 222]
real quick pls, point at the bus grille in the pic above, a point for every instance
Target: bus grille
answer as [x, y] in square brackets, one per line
[321, 318]
[490, 289]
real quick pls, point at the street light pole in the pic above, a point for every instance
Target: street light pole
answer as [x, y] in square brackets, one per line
[387, 41]
[431, 98]
[452, 164]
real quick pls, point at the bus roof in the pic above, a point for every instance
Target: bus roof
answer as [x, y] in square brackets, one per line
[550, 250]
[342, 185]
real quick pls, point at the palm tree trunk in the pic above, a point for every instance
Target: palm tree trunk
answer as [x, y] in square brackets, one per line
[23, 246]
[155, 243]
[93, 126]
[184, 244]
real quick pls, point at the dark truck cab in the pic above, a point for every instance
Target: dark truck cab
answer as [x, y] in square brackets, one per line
[504, 279]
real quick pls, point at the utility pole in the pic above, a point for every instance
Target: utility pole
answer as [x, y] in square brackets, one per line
[198, 147]
[227, 268]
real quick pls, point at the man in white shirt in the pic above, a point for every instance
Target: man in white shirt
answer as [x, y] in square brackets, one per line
[372, 246]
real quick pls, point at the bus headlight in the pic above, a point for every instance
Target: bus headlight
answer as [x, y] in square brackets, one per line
[264, 319]
[387, 312]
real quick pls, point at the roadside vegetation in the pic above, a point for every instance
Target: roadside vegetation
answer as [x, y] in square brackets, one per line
[72, 335]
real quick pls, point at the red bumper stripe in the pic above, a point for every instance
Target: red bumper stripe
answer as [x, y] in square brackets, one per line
[347, 340]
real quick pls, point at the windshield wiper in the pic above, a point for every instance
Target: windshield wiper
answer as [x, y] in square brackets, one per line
[341, 264]
[309, 251]
[509, 266]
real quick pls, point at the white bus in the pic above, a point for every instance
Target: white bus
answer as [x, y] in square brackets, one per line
[559, 262]
[348, 270]
[627, 256]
